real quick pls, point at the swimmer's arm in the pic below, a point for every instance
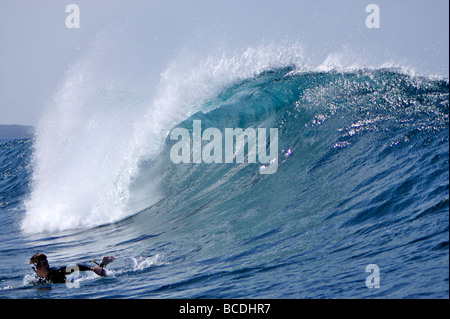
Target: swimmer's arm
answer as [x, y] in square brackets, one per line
[83, 268]
[98, 270]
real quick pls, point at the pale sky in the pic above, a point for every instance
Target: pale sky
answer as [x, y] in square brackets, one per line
[36, 47]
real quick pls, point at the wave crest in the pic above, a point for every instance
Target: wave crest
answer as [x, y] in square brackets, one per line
[99, 152]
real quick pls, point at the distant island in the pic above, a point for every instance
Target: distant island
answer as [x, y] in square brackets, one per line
[10, 132]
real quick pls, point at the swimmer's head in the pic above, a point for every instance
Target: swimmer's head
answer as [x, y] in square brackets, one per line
[39, 260]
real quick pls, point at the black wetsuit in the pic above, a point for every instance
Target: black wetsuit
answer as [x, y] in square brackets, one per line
[58, 275]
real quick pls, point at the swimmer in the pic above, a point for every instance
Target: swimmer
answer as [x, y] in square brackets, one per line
[58, 275]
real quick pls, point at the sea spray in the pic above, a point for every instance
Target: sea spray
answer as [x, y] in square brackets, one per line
[93, 137]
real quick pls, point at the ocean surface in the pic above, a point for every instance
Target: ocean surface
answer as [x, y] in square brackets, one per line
[362, 179]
